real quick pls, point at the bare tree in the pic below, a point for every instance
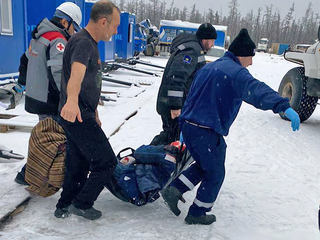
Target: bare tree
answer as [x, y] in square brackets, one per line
[198, 17]
[183, 14]
[122, 5]
[216, 18]
[209, 16]
[233, 18]
[169, 12]
[285, 31]
[266, 30]
[153, 10]
[192, 16]
[270, 24]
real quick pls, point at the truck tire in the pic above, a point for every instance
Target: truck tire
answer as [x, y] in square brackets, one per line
[294, 87]
[149, 50]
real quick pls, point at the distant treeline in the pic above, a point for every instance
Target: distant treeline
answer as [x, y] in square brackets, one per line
[265, 22]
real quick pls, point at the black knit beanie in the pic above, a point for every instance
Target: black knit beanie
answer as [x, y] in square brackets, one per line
[242, 45]
[206, 31]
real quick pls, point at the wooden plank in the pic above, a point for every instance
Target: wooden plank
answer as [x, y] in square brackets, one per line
[17, 209]
[21, 121]
[12, 197]
[3, 129]
[6, 116]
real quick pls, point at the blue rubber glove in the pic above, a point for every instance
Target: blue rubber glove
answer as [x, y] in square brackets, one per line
[181, 137]
[294, 118]
[19, 88]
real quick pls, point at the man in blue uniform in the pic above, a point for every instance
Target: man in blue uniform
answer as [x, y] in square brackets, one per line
[211, 107]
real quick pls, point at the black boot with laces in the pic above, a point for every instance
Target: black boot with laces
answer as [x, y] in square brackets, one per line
[90, 213]
[201, 220]
[171, 196]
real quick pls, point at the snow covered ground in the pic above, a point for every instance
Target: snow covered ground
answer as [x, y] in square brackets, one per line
[271, 190]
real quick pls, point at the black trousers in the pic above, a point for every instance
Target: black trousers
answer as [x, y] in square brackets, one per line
[90, 162]
[170, 133]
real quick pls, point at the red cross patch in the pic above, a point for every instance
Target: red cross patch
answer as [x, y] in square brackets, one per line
[60, 47]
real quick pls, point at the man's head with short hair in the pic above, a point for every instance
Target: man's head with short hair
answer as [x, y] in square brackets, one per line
[104, 20]
[103, 9]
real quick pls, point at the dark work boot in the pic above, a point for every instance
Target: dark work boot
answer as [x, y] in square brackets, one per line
[202, 220]
[20, 178]
[61, 212]
[171, 196]
[89, 213]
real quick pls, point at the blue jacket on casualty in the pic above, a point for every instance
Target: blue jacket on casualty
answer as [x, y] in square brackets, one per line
[141, 182]
[218, 90]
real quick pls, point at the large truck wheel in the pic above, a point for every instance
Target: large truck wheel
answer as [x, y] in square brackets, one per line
[294, 87]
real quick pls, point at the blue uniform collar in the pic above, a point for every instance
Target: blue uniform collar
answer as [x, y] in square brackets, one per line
[232, 56]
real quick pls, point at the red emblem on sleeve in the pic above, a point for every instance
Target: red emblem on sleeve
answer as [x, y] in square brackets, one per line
[60, 47]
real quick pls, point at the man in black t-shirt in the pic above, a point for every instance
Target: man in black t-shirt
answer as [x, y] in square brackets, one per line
[88, 149]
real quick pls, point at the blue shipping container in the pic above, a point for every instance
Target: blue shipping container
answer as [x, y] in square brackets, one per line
[282, 48]
[107, 49]
[125, 36]
[23, 16]
[12, 43]
[38, 10]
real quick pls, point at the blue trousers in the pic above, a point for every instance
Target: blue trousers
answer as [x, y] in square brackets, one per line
[208, 149]
[88, 150]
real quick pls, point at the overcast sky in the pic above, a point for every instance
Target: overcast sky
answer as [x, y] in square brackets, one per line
[246, 5]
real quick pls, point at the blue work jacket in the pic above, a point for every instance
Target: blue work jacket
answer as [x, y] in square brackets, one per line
[218, 90]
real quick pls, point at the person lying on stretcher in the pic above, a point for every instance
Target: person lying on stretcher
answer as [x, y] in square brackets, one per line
[140, 176]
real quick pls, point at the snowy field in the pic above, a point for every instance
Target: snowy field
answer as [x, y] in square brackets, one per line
[271, 190]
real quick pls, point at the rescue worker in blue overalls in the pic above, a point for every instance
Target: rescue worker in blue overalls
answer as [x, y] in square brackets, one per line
[213, 103]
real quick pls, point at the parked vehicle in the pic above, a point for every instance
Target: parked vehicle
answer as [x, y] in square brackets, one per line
[263, 45]
[302, 84]
[146, 38]
[170, 29]
[214, 53]
[140, 39]
[301, 47]
[152, 41]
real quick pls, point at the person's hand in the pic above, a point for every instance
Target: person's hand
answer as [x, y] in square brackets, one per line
[70, 112]
[19, 88]
[175, 113]
[294, 118]
[98, 121]
[97, 118]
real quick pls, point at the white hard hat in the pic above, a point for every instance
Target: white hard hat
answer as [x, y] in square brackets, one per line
[71, 12]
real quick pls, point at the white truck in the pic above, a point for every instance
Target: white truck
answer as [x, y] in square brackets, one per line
[263, 45]
[302, 84]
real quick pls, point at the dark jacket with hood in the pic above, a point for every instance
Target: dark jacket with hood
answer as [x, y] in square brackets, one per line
[41, 66]
[187, 56]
